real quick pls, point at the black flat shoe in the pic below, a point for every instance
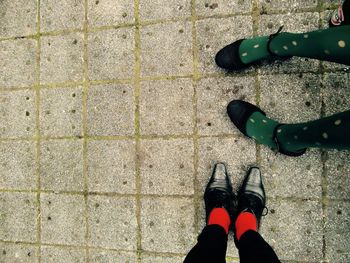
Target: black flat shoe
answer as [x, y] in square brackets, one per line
[341, 16]
[218, 193]
[239, 112]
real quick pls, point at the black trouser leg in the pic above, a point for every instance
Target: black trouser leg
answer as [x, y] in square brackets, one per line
[211, 246]
[254, 249]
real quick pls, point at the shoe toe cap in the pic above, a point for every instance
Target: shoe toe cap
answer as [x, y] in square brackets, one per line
[228, 57]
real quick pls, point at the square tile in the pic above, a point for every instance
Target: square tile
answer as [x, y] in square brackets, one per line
[148, 258]
[19, 253]
[294, 229]
[286, 6]
[336, 92]
[237, 153]
[61, 166]
[18, 216]
[161, 160]
[63, 219]
[65, 15]
[62, 255]
[17, 114]
[166, 49]
[110, 12]
[221, 7]
[338, 169]
[291, 98]
[61, 58]
[161, 116]
[111, 54]
[17, 62]
[105, 256]
[18, 165]
[295, 23]
[18, 17]
[111, 166]
[168, 9]
[111, 110]
[112, 222]
[337, 232]
[214, 94]
[292, 177]
[167, 224]
[61, 112]
[215, 33]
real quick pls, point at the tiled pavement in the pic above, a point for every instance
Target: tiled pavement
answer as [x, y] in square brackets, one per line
[112, 114]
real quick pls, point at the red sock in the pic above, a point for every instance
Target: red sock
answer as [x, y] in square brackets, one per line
[245, 221]
[219, 216]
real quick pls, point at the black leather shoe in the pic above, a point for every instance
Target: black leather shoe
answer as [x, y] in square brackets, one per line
[251, 195]
[341, 16]
[218, 193]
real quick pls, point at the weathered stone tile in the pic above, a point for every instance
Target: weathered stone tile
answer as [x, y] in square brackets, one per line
[164, 9]
[167, 224]
[61, 112]
[148, 258]
[18, 165]
[110, 12]
[166, 49]
[18, 217]
[63, 219]
[61, 166]
[167, 166]
[19, 253]
[286, 6]
[294, 229]
[111, 54]
[17, 114]
[104, 256]
[111, 166]
[65, 15]
[215, 33]
[17, 62]
[111, 110]
[61, 58]
[112, 222]
[214, 94]
[62, 255]
[18, 17]
[166, 107]
[218, 7]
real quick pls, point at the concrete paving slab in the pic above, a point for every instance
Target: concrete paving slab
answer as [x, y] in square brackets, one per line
[18, 165]
[222, 7]
[291, 98]
[293, 229]
[286, 6]
[67, 14]
[145, 258]
[17, 114]
[111, 110]
[215, 33]
[18, 217]
[214, 94]
[100, 256]
[17, 61]
[337, 232]
[110, 12]
[61, 112]
[61, 165]
[164, 9]
[167, 167]
[167, 224]
[19, 253]
[111, 54]
[18, 17]
[161, 116]
[63, 219]
[111, 166]
[62, 255]
[166, 49]
[112, 222]
[61, 58]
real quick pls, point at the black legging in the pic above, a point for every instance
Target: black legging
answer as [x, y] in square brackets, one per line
[212, 245]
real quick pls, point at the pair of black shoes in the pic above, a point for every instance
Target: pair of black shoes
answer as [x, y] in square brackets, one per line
[251, 195]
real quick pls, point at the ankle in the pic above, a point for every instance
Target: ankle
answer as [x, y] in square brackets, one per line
[245, 221]
[220, 216]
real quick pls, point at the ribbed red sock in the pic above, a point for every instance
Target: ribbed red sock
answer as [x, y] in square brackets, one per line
[220, 216]
[245, 221]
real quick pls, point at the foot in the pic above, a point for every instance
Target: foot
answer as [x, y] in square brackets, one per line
[341, 16]
[218, 193]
